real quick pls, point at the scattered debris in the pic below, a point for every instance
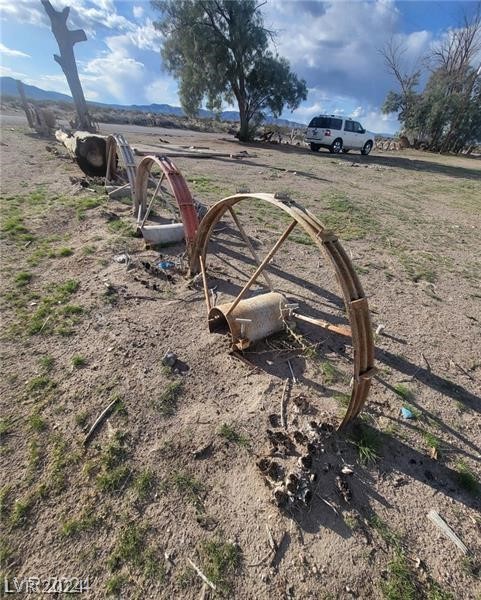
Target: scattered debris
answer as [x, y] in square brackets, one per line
[380, 328]
[122, 258]
[343, 488]
[100, 419]
[201, 575]
[407, 414]
[166, 264]
[156, 271]
[284, 405]
[448, 532]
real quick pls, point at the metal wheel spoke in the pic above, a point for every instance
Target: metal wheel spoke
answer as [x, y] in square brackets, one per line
[149, 208]
[250, 246]
[261, 267]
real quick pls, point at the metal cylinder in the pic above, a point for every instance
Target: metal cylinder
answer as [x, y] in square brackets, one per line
[170, 233]
[251, 320]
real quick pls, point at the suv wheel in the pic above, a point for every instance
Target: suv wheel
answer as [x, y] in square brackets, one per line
[315, 147]
[367, 148]
[336, 146]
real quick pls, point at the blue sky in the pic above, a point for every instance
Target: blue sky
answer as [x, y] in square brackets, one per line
[332, 45]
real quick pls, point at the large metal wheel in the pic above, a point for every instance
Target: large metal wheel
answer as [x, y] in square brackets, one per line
[120, 163]
[176, 204]
[278, 302]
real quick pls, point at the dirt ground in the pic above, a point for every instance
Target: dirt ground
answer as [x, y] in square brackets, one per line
[172, 475]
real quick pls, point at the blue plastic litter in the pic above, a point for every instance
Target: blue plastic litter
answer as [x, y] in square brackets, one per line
[165, 264]
[406, 413]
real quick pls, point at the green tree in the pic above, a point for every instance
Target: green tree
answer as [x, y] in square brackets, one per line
[447, 113]
[218, 50]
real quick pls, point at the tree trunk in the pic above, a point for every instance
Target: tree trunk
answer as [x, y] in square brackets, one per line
[66, 40]
[244, 134]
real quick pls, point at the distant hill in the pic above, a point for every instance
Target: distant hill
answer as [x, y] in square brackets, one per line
[8, 87]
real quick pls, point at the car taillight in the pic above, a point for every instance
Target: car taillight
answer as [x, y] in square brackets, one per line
[328, 132]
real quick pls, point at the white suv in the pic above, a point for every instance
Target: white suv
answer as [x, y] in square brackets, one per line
[338, 134]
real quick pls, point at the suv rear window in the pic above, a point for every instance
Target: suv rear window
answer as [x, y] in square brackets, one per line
[326, 123]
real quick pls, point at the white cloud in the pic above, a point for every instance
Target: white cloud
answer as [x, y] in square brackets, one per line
[8, 72]
[161, 91]
[138, 11]
[23, 12]
[115, 72]
[146, 37]
[335, 47]
[11, 52]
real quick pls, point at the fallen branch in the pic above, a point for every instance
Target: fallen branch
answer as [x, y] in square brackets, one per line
[272, 542]
[331, 506]
[462, 370]
[201, 575]
[428, 366]
[100, 419]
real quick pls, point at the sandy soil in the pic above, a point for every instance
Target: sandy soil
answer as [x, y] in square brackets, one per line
[80, 330]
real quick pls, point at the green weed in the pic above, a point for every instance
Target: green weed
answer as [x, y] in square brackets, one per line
[5, 425]
[166, 404]
[144, 484]
[81, 419]
[432, 441]
[20, 511]
[87, 521]
[466, 478]
[131, 548]
[367, 443]
[115, 584]
[46, 363]
[37, 423]
[115, 475]
[78, 361]
[41, 384]
[5, 493]
[231, 435]
[23, 278]
[400, 583]
[113, 480]
[403, 391]
[330, 374]
[220, 560]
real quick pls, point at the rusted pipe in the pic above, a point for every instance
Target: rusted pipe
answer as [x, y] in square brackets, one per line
[250, 320]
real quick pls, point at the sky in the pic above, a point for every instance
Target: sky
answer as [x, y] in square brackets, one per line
[333, 45]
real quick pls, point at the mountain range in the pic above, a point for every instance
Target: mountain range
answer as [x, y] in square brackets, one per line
[8, 87]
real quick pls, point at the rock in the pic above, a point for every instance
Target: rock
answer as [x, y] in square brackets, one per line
[169, 359]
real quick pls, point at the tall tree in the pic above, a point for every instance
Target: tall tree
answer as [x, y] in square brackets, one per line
[447, 113]
[218, 50]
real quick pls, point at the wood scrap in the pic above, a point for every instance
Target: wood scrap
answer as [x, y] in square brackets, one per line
[100, 419]
[448, 532]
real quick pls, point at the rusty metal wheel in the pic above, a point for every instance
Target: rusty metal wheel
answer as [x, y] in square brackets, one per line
[120, 163]
[175, 204]
[284, 300]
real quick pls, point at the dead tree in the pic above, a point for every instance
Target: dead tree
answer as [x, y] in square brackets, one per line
[66, 40]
